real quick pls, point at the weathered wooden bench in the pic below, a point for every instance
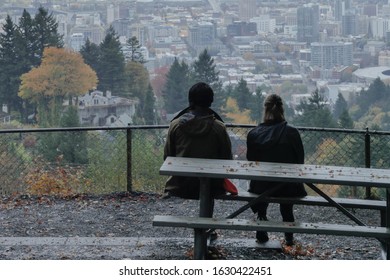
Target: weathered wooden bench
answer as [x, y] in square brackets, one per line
[308, 174]
[350, 203]
[297, 227]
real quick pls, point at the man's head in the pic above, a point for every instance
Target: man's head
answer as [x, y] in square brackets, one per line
[200, 94]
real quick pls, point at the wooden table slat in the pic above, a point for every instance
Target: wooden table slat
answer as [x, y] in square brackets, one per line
[276, 172]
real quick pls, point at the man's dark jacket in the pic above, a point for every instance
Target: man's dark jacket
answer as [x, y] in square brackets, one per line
[197, 137]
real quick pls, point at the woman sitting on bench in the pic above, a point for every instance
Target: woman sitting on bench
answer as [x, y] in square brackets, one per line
[274, 140]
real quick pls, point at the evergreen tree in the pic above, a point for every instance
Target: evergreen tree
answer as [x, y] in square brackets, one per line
[134, 49]
[21, 49]
[45, 33]
[149, 115]
[204, 70]
[26, 41]
[175, 92]
[256, 105]
[242, 95]
[27, 58]
[72, 144]
[345, 121]
[111, 67]
[90, 53]
[340, 106]
[137, 80]
[314, 112]
[9, 68]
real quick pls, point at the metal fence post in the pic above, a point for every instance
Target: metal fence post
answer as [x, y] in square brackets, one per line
[367, 151]
[128, 152]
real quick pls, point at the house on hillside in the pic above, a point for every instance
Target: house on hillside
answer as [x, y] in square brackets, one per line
[98, 109]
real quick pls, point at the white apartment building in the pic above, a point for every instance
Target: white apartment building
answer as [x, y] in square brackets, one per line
[76, 41]
[379, 27]
[330, 54]
[384, 58]
[264, 24]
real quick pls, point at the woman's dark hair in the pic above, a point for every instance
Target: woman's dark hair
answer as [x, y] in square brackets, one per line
[273, 109]
[201, 94]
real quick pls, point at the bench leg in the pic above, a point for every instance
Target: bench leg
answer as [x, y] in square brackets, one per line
[387, 218]
[200, 244]
[206, 205]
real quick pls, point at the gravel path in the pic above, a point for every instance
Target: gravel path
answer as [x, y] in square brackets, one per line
[118, 226]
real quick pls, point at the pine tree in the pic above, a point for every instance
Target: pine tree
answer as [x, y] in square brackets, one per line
[72, 144]
[345, 121]
[90, 53]
[9, 72]
[242, 95]
[204, 70]
[27, 59]
[111, 67]
[149, 114]
[256, 105]
[340, 106]
[134, 48]
[175, 92]
[45, 33]
[315, 112]
[26, 41]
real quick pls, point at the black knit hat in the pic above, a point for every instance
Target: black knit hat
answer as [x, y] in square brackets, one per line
[201, 94]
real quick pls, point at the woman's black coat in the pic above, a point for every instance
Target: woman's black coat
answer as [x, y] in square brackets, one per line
[276, 142]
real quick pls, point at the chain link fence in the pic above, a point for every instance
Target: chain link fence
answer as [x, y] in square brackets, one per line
[106, 160]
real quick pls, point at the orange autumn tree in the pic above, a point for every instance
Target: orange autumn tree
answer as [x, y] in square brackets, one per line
[62, 75]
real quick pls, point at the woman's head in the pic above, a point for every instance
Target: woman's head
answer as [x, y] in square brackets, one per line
[273, 109]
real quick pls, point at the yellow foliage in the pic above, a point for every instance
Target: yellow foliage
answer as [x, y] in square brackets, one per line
[327, 149]
[61, 73]
[235, 114]
[59, 181]
[231, 105]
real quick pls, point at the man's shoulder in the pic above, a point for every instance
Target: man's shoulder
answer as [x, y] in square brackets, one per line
[219, 124]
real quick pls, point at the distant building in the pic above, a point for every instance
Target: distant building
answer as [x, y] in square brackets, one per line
[97, 109]
[241, 28]
[308, 23]
[370, 10]
[329, 55]
[384, 58]
[349, 24]
[368, 75]
[76, 41]
[374, 47]
[94, 33]
[264, 24]
[247, 9]
[379, 27]
[122, 27]
[203, 35]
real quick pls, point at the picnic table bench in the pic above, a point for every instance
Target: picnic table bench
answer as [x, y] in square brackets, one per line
[205, 169]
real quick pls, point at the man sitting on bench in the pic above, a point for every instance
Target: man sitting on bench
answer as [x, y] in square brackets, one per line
[197, 132]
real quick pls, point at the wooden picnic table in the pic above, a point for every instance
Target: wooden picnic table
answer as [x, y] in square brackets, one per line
[278, 172]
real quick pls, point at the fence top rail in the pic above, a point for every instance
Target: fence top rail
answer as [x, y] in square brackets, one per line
[143, 127]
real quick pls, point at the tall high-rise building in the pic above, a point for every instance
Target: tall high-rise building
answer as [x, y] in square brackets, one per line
[341, 7]
[201, 34]
[308, 23]
[349, 24]
[247, 9]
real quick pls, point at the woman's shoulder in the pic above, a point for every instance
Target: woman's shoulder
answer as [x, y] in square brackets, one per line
[292, 131]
